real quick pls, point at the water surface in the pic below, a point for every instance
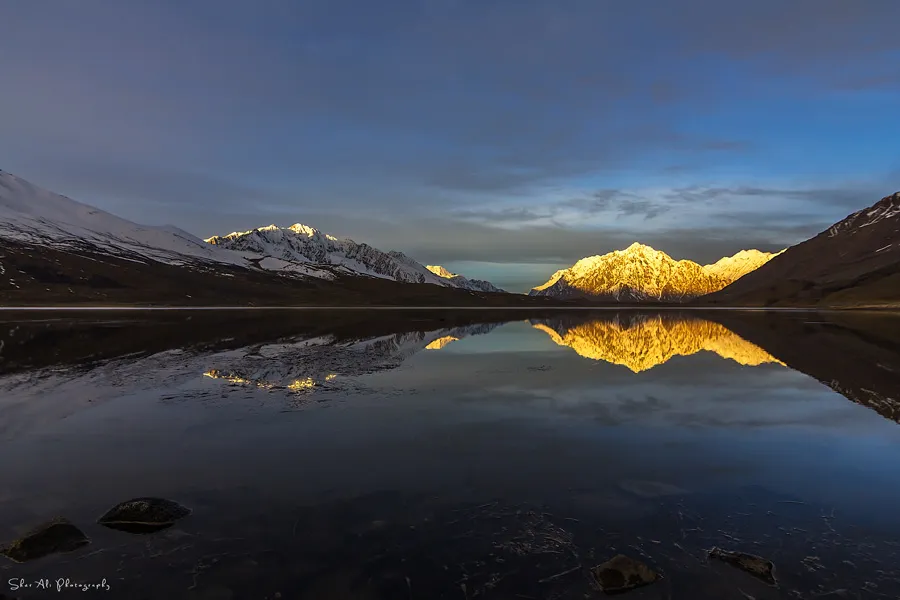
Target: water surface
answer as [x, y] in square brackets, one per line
[450, 455]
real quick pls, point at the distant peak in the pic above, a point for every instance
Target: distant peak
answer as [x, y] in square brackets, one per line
[440, 271]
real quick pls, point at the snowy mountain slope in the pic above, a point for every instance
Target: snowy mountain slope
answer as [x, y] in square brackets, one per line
[463, 282]
[34, 215]
[732, 268]
[640, 273]
[301, 247]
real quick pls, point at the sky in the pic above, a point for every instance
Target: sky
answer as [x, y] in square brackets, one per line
[503, 139]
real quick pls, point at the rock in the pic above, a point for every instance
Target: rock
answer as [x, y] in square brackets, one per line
[143, 515]
[57, 535]
[620, 574]
[755, 565]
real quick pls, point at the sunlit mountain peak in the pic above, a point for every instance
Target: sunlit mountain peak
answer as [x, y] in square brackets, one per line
[440, 271]
[642, 273]
[643, 343]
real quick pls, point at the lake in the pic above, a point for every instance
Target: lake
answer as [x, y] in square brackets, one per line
[454, 454]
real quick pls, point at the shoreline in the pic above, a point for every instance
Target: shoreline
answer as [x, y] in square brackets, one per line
[362, 307]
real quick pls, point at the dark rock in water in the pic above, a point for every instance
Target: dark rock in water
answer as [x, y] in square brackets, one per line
[58, 535]
[755, 565]
[143, 515]
[620, 574]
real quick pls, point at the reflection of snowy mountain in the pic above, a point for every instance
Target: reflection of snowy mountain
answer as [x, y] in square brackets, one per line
[318, 362]
[37, 397]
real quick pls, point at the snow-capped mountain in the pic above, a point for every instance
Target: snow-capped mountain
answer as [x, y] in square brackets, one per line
[732, 268]
[30, 214]
[640, 273]
[854, 262]
[300, 247]
[463, 282]
[36, 217]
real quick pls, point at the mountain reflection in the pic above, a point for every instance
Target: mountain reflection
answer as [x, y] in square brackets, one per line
[310, 364]
[50, 369]
[640, 342]
[441, 342]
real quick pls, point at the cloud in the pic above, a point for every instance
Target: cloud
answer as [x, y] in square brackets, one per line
[619, 202]
[506, 215]
[223, 115]
[847, 196]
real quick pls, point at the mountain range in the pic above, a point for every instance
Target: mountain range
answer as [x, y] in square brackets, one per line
[640, 273]
[59, 249]
[55, 250]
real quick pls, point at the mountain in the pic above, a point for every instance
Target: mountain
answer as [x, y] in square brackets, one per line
[57, 251]
[463, 282]
[639, 274]
[640, 342]
[855, 262]
[299, 248]
[31, 215]
[732, 268]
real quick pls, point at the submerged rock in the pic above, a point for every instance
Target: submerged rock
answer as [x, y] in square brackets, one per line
[143, 515]
[57, 535]
[757, 566]
[621, 573]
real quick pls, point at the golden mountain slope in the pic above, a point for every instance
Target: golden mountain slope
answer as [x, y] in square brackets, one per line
[641, 273]
[645, 343]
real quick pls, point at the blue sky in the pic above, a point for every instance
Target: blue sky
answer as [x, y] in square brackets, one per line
[503, 139]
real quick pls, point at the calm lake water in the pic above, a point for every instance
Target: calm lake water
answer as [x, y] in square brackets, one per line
[425, 455]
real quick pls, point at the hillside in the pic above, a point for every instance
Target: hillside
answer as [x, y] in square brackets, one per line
[853, 263]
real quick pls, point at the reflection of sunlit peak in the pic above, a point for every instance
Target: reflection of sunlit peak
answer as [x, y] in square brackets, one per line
[441, 342]
[557, 339]
[301, 384]
[648, 342]
[296, 385]
[237, 379]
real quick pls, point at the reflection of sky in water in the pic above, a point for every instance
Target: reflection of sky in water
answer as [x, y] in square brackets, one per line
[516, 335]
